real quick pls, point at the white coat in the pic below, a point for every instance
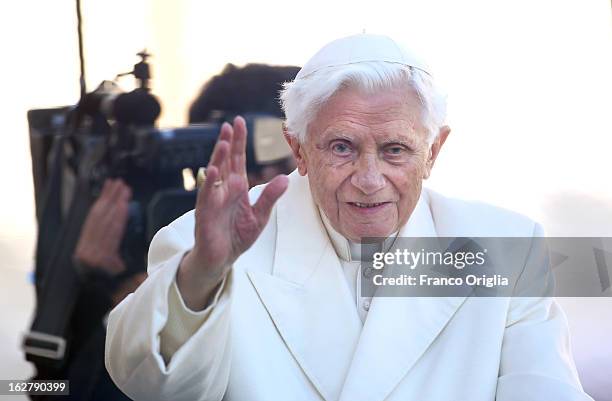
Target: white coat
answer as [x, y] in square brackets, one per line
[286, 327]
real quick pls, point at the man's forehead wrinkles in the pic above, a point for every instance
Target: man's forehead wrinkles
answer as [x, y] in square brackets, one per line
[375, 120]
[376, 113]
[399, 129]
[343, 127]
[388, 114]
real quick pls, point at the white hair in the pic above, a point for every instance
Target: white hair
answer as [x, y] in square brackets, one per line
[302, 98]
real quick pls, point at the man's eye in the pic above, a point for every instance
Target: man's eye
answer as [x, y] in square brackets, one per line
[341, 148]
[395, 150]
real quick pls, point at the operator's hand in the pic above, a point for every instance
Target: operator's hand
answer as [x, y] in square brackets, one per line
[102, 232]
[226, 224]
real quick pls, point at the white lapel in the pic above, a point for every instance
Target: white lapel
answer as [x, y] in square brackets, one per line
[397, 331]
[307, 296]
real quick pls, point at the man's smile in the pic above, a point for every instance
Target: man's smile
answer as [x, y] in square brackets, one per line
[368, 207]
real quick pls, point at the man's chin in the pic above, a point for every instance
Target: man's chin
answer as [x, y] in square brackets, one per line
[355, 227]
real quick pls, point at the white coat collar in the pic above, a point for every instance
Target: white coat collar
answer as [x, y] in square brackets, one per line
[306, 296]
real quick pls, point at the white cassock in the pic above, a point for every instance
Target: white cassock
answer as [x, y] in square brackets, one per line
[289, 323]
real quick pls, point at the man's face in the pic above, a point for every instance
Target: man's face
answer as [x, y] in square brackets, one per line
[366, 156]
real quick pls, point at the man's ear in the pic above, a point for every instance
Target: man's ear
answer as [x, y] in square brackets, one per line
[434, 150]
[297, 149]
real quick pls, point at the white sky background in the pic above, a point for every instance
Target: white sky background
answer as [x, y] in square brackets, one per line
[529, 84]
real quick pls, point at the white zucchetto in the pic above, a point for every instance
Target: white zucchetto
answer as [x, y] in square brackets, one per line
[358, 49]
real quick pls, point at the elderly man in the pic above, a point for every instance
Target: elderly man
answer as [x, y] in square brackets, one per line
[255, 296]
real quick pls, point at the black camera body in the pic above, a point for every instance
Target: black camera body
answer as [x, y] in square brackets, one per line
[150, 160]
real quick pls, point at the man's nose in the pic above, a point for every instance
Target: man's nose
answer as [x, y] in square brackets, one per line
[368, 177]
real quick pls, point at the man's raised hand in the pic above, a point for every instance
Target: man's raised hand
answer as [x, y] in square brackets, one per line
[226, 224]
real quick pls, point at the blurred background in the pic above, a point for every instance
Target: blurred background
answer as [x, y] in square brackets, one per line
[529, 88]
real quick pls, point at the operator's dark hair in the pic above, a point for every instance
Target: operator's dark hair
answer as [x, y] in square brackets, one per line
[237, 90]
